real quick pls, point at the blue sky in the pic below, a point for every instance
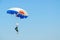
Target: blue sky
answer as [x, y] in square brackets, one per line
[43, 22]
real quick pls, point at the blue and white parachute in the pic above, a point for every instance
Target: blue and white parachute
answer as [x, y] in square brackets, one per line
[18, 12]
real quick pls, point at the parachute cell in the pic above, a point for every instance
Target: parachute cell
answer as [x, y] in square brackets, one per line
[18, 12]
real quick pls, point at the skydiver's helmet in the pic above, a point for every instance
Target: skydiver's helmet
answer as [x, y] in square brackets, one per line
[17, 24]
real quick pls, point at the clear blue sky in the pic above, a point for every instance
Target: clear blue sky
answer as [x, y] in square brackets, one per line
[43, 22]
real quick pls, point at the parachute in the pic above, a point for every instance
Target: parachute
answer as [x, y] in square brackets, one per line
[19, 13]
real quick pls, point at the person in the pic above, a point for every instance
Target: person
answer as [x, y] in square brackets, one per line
[16, 28]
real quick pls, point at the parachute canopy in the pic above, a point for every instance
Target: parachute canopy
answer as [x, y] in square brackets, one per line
[18, 12]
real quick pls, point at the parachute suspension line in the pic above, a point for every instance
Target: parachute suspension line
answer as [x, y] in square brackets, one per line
[17, 23]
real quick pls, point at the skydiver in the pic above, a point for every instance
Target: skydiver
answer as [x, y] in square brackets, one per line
[16, 28]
